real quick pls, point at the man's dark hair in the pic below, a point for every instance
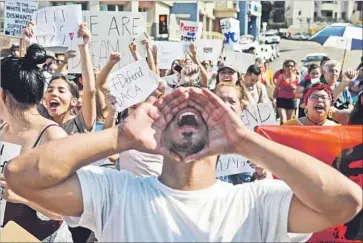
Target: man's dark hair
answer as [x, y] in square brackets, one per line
[325, 59]
[312, 67]
[253, 69]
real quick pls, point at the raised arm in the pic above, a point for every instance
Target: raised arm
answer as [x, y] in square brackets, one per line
[150, 56]
[193, 54]
[89, 85]
[156, 60]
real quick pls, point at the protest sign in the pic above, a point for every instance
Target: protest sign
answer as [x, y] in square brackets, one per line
[168, 52]
[132, 84]
[231, 164]
[12, 232]
[209, 49]
[238, 60]
[338, 146]
[7, 152]
[17, 14]
[231, 32]
[190, 30]
[252, 116]
[57, 26]
[260, 114]
[111, 32]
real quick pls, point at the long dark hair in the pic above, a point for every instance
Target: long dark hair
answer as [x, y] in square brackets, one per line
[356, 117]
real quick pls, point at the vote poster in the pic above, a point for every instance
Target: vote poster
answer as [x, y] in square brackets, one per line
[340, 147]
[189, 31]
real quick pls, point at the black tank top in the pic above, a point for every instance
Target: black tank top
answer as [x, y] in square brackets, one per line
[27, 217]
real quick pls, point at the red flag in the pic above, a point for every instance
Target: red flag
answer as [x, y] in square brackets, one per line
[337, 146]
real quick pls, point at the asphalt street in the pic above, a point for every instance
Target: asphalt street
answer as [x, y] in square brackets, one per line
[297, 50]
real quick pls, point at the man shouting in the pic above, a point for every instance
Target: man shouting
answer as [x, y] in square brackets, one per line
[186, 203]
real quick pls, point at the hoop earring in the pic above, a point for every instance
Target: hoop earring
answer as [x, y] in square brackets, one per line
[306, 111]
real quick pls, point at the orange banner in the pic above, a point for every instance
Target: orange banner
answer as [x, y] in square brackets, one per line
[340, 147]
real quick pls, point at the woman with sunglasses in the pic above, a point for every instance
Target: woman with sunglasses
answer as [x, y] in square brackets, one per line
[318, 100]
[284, 93]
[22, 87]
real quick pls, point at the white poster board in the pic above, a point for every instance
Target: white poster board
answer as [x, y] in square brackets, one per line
[167, 52]
[252, 116]
[209, 50]
[189, 31]
[230, 30]
[57, 26]
[239, 60]
[8, 151]
[132, 84]
[17, 14]
[231, 164]
[111, 32]
[260, 114]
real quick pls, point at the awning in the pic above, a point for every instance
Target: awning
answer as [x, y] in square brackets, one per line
[122, 3]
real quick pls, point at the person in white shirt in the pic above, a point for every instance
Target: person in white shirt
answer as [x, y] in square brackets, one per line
[189, 127]
[255, 91]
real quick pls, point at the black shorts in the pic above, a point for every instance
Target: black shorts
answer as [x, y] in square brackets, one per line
[80, 234]
[288, 104]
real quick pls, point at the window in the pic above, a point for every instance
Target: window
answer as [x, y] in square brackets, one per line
[335, 15]
[111, 7]
[142, 9]
[360, 6]
[344, 15]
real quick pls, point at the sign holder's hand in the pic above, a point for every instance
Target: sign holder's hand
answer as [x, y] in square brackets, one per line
[115, 57]
[84, 33]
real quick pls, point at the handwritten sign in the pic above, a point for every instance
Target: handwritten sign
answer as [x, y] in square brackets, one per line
[260, 114]
[232, 164]
[168, 52]
[57, 26]
[17, 14]
[209, 49]
[8, 151]
[231, 32]
[132, 84]
[111, 32]
[190, 30]
[239, 60]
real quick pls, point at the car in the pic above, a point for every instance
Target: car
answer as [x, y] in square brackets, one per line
[271, 37]
[300, 36]
[313, 58]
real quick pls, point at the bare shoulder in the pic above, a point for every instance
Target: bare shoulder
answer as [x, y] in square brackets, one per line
[54, 132]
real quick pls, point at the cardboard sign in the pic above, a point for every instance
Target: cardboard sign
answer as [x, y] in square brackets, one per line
[260, 114]
[132, 84]
[17, 14]
[57, 26]
[8, 151]
[232, 164]
[111, 32]
[12, 232]
[168, 52]
[209, 49]
[230, 30]
[190, 31]
[238, 60]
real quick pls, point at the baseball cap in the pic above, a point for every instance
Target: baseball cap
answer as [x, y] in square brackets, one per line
[226, 66]
[50, 54]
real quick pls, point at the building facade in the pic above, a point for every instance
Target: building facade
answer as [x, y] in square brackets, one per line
[332, 11]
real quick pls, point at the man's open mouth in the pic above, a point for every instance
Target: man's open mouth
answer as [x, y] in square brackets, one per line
[188, 119]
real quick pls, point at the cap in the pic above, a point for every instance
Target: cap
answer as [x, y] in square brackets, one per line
[50, 54]
[226, 66]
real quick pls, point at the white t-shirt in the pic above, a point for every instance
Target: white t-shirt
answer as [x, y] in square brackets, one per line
[119, 207]
[253, 91]
[140, 164]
